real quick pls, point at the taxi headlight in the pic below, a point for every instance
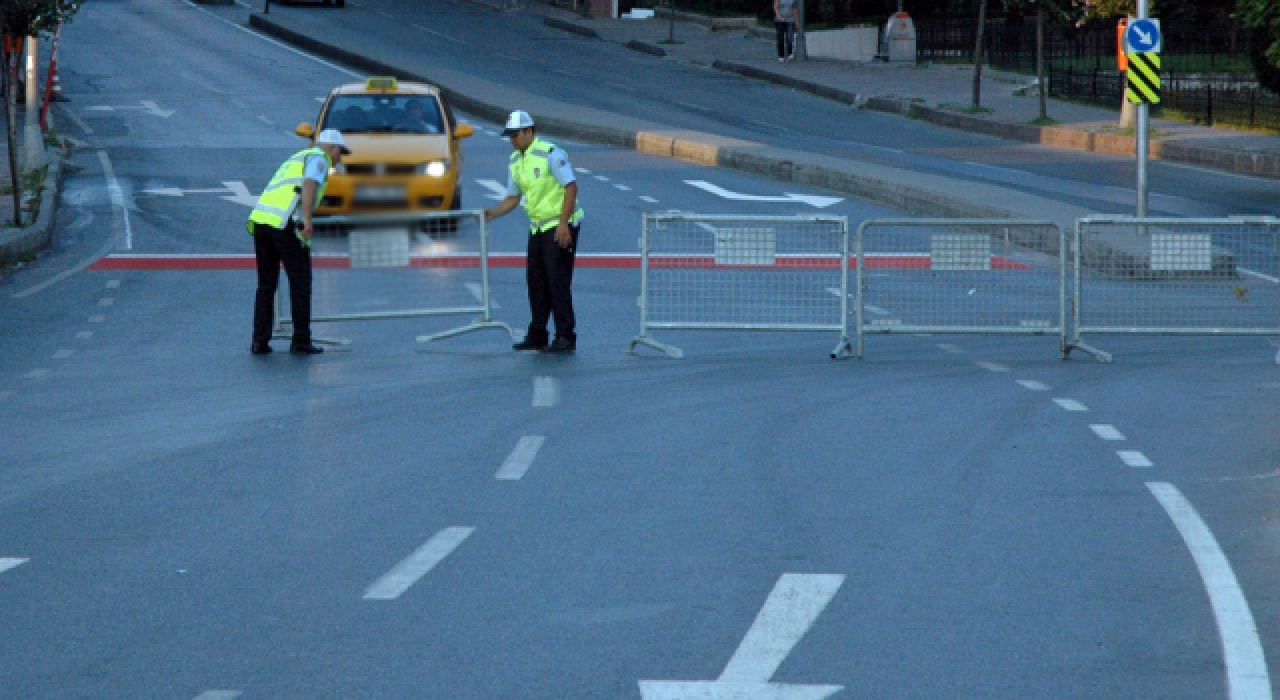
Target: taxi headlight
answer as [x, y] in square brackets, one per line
[436, 168]
[339, 169]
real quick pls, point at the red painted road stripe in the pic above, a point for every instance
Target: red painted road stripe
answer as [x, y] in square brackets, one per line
[616, 261]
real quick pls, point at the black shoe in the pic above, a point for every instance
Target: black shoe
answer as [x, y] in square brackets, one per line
[260, 349]
[308, 349]
[527, 344]
[562, 346]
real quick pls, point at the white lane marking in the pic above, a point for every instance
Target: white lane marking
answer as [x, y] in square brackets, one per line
[948, 347]
[117, 198]
[1106, 432]
[791, 609]
[1033, 385]
[478, 293]
[692, 106]
[647, 198]
[545, 392]
[113, 284]
[84, 335]
[813, 200]
[446, 37]
[386, 14]
[39, 373]
[602, 178]
[564, 72]
[497, 190]
[624, 188]
[78, 267]
[416, 565]
[265, 120]
[219, 695]
[521, 458]
[97, 318]
[1211, 171]
[885, 149]
[992, 366]
[1071, 405]
[75, 119]
[1259, 275]
[584, 171]
[620, 86]
[284, 46]
[106, 301]
[321, 99]
[7, 563]
[63, 353]
[1247, 676]
[1134, 458]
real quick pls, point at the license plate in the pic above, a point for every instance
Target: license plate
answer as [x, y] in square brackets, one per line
[385, 193]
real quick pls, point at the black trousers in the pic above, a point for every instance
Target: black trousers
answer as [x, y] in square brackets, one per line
[274, 247]
[786, 38]
[549, 274]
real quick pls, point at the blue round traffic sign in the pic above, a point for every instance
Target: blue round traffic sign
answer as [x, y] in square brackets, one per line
[1142, 36]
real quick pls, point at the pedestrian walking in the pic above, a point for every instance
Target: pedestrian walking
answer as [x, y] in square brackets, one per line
[281, 227]
[539, 171]
[784, 21]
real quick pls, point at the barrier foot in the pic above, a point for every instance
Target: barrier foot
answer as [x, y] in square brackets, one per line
[1099, 355]
[843, 351]
[280, 333]
[1278, 357]
[476, 325]
[671, 351]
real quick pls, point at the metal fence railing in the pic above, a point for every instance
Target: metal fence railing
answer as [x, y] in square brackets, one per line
[1174, 277]
[981, 276]
[383, 267]
[743, 273]
[1202, 98]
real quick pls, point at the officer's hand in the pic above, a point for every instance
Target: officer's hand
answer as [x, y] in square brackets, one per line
[308, 229]
[488, 215]
[563, 237]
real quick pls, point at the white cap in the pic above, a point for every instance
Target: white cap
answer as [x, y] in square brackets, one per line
[332, 137]
[518, 120]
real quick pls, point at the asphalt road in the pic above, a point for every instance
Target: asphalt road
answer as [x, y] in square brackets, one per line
[947, 517]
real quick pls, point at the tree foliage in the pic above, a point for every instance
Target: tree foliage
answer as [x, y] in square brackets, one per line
[1263, 18]
[32, 17]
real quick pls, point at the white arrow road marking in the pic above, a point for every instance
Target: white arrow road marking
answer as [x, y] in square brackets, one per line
[7, 563]
[235, 191]
[418, 564]
[240, 194]
[218, 695]
[1247, 676]
[791, 609]
[145, 106]
[815, 201]
[497, 190]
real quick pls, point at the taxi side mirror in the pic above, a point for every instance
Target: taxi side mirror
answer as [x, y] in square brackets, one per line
[305, 130]
[463, 131]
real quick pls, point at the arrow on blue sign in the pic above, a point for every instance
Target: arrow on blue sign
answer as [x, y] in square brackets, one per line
[1143, 35]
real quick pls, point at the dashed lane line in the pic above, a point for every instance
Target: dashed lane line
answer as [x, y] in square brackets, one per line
[97, 318]
[84, 335]
[1107, 432]
[992, 366]
[602, 178]
[106, 301]
[113, 284]
[7, 563]
[219, 695]
[39, 373]
[584, 171]
[265, 120]
[282, 45]
[1246, 665]
[545, 392]
[1134, 458]
[419, 564]
[520, 459]
[63, 353]
[1071, 405]
[948, 347]
[647, 198]
[446, 37]
[624, 188]
[1033, 385]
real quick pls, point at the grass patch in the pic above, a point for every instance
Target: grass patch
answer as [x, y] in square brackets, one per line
[1047, 121]
[967, 109]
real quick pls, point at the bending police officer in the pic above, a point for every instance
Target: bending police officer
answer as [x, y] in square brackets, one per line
[294, 192]
[540, 172]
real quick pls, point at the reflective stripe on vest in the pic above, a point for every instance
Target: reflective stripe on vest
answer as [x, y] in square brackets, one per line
[280, 197]
[543, 196]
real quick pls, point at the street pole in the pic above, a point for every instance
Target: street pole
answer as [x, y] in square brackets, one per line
[799, 48]
[1142, 136]
[34, 137]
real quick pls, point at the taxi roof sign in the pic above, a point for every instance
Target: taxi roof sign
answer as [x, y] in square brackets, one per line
[383, 83]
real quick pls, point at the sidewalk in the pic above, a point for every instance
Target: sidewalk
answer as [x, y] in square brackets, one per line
[936, 93]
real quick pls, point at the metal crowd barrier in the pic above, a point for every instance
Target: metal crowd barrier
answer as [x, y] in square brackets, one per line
[743, 273]
[385, 267]
[980, 276]
[1155, 276]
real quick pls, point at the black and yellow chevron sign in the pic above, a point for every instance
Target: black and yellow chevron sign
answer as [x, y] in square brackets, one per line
[1144, 79]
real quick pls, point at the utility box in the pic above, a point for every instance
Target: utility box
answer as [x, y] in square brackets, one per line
[900, 39]
[602, 9]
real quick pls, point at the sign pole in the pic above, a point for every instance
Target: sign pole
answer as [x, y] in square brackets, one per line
[1142, 137]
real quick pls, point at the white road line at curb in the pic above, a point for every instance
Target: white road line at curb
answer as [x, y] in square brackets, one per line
[106, 301]
[63, 353]
[1107, 432]
[1247, 676]
[647, 198]
[545, 392]
[39, 373]
[1259, 275]
[265, 120]
[478, 293]
[446, 37]
[624, 188]
[286, 47]
[1071, 405]
[602, 178]
[7, 563]
[1134, 458]
[520, 459]
[97, 318]
[84, 335]
[1033, 385]
[418, 564]
[75, 119]
[117, 198]
[584, 171]
[219, 695]
[992, 366]
[948, 347]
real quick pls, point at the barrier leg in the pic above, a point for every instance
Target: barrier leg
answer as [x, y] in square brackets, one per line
[844, 349]
[480, 324]
[668, 350]
[281, 333]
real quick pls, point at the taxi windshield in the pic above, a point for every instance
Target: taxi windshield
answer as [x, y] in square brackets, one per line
[384, 114]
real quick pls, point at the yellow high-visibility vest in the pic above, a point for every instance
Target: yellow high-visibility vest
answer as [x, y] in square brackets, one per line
[543, 196]
[277, 202]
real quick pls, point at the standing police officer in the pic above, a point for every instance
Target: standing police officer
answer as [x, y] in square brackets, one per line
[540, 172]
[295, 191]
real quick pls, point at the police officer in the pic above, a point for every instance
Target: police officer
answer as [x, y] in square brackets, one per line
[540, 172]
[293, 194]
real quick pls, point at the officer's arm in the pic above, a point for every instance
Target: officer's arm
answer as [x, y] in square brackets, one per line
[570, 202]
[308, 205]
[504, 207]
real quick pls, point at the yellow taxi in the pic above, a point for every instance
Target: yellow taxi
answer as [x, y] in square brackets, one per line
[406, 154]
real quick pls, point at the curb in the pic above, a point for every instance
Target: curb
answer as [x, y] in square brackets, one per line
[648, 48]
[715, 24]
[15, 242]
[849, 98]
[571, 27]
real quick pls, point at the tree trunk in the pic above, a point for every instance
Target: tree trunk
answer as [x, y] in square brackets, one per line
[11, 117]
[1044, 89]
[977, 55]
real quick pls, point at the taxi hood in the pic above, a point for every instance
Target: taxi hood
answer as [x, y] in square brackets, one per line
[396, 148]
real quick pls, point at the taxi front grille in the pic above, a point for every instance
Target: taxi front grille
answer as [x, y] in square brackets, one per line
[379, 169]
